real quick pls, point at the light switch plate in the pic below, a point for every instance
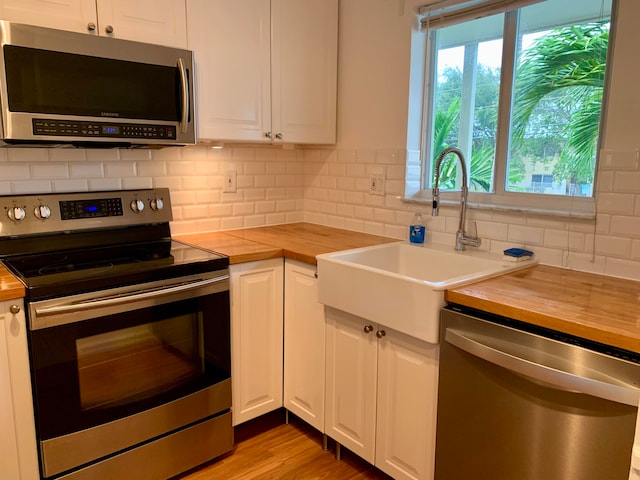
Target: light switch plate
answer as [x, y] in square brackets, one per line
[229, 185]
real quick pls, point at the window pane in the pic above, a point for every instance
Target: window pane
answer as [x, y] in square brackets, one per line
[465, 100]
[558, 89]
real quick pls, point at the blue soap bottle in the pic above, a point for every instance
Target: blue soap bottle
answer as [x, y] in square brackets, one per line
[417, 229]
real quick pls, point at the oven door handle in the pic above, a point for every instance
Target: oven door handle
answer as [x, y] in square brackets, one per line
[150, 294]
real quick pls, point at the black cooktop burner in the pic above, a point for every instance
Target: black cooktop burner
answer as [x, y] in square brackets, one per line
[79, 270]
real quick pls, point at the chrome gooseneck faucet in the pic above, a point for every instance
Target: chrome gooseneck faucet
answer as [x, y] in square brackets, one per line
[462, 238]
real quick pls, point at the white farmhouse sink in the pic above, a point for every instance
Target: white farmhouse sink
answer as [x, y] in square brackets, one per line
[401, 285]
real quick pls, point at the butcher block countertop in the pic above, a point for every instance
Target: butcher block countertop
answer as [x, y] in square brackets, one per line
[298, 241]
[10, 287]
[596, 307]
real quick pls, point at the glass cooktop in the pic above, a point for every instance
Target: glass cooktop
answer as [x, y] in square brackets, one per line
[75, 271]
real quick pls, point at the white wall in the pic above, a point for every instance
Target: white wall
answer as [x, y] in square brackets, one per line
[329, 186]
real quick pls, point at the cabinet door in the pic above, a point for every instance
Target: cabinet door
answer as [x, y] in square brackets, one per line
[350, 416]
[406, 413]
[18, 439]
[256, 338]
[74, 15]
[304, 70]
[304, 344]
[231, 44]
[162, 22]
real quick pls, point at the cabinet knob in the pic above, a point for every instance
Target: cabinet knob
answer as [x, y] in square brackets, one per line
[278, 136]
[268, 134]
[91, 27]
[380, 333]
[108, 29]
[368, 328]
[14, 309]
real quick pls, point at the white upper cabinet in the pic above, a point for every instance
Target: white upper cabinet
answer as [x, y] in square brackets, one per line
[74, 15]
[161, 22]
[266, 70]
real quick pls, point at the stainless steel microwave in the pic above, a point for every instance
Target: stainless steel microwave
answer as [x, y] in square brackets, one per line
[60, 87]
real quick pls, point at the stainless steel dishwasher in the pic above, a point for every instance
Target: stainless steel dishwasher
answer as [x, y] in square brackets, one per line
[517, 404]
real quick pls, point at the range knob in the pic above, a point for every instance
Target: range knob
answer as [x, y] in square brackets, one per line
[42, 212]
[16, 214]
[137, 206]
[157, 204]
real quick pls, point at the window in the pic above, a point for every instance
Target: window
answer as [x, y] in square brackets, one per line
[519, 89]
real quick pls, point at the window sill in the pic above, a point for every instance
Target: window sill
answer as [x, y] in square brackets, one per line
[576, 208]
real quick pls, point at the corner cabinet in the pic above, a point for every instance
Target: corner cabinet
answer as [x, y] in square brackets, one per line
[266, 70]
[381, 395]
[304, 344]
[256, 294]
[18, 439]
[162, 22]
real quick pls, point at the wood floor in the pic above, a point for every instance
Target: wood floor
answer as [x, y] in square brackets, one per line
[268, 449]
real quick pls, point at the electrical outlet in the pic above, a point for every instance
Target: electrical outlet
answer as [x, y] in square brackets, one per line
[229, 182]
[376, 184]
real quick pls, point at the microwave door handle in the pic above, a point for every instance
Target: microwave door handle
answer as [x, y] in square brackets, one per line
[185, 96]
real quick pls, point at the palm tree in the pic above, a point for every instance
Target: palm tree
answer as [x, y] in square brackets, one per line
[566, 65]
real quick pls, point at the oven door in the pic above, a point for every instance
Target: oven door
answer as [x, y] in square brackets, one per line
[120, 367]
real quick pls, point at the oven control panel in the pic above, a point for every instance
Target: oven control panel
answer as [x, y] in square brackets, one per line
[52, 212]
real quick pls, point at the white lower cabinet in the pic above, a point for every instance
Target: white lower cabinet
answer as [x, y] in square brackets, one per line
[18, 453]
[256, 338]
[304, 344]
[381, 395]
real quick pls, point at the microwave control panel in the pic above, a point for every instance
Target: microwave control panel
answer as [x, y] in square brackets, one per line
[57, 128]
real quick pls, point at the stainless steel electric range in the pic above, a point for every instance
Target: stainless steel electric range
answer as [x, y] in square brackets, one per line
[129, 334]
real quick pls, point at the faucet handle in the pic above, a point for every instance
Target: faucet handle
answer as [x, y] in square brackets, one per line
[435, 203]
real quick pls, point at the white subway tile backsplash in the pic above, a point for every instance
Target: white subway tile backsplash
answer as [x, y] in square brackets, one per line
[103, 184]
[279, 218]
[135, 183]
[24, 154]
[618, 159]
[70, 185]
[525, 235]
[331, 186]
[626, 226]
[616, 203]
[610, 246]
[67, 155]
[135, 154]
[25, 187]
[103, 154]
[14, 171]
[49, 170]
[622, 268]
[86, 170]
[627, 182]
[119, 169]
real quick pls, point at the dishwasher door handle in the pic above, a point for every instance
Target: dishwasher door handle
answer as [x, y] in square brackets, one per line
[553, 377]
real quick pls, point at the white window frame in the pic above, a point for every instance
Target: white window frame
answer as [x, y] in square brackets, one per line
[417, 189]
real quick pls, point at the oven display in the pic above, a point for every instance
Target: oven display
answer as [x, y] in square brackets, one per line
[77, 209]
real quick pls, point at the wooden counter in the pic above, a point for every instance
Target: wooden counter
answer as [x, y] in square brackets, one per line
[237, 249]
[595, 307]
[10, 287]
[298, 241]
